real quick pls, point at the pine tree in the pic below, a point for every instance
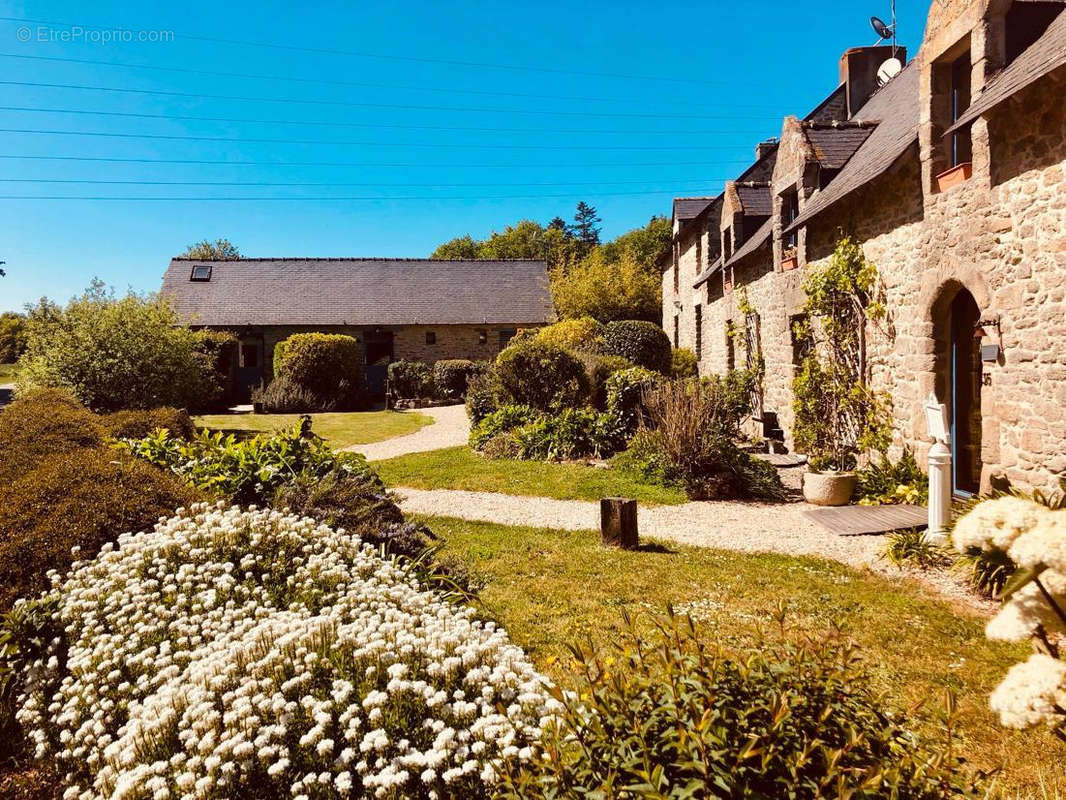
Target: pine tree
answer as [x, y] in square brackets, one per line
[586, 227]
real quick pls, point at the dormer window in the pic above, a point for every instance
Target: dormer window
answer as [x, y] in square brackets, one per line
[201, 273]
[727, 244]
[960, 144]
[789, 214]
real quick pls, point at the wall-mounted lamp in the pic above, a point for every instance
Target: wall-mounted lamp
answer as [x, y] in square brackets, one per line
[990, 350]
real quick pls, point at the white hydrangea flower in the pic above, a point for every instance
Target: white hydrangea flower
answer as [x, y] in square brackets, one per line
[1030, 692]
[1028, 609]
[1044, 543]
[226, 646]
[995, 524]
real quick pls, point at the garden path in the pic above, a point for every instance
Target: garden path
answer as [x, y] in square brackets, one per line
[450, 428]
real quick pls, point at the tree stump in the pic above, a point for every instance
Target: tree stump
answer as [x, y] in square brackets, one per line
[618, 522]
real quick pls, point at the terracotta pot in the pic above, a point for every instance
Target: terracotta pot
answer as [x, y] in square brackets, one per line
[828, 488]
[954, 176]
[789, 263]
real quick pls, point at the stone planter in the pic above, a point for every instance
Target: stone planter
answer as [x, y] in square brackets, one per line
[954, 176]
[828, 488]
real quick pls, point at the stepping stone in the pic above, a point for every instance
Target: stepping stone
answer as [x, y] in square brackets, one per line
[868, 520]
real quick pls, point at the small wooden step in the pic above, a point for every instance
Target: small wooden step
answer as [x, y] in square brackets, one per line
[869, 520]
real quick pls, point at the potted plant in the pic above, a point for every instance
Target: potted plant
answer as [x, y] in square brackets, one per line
[837, 416]
[789, 259]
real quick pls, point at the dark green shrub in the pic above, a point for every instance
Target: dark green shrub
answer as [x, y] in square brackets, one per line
[503, 420]
[452, 376]
[12, 337]
[43, 423]
[484, 394]
[327, 366]
[136, 424]
[683, 363]
[668, 716]
[285, 396]
[542, 376]
[625, 391]
[645, 458]
[986, 571]
[885, 483]
[572, 433]
[85, 498]
[409, 379]
[643, 343]
[599, 369]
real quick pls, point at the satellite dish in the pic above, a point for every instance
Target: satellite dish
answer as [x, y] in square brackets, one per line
[880, 28]
[889, 70]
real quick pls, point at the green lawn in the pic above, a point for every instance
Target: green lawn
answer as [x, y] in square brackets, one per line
[461, 468]
[339, 429]
[552, 587]
[7, 372]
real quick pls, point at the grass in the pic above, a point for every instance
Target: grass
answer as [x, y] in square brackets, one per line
[7, 372]
[549, 588]
[339, 429]
[461, 468]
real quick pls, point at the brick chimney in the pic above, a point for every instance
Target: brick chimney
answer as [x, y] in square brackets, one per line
[858, 72]
[762, 148]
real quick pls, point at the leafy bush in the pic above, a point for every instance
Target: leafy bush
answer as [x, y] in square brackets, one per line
[667, 716]
[410, 379]
[317, 668]
[608, 288]
[484, 394]
[885, 483]
[285, 396]
[692, 424]
[599, 369]
[502, 446]
[913, 547]
[581, 334]
[643, 343]
[526, 433]
[503, 420]
[136, 424]
[117, 353]
[42, 423]
[452, 376]
[542, 376]
[683, 363]
[731, 395]
[80, 498]
[986, 572]
[218, 350]
[12, 337]
[625, 391]
[645, 458]
[328, 367]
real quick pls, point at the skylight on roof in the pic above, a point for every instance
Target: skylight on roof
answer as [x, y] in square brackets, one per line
[201, 272]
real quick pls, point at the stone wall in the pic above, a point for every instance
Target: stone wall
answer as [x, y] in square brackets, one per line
[452, 341]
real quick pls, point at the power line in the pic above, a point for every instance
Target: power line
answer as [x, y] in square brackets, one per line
[450, 145]
[337, 82]
[397, 106]
[450, 165]
[371, 125]
[328, 198]
[391, 185]
[383, 56]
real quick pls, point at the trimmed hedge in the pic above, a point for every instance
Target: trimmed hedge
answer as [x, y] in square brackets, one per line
[643, 343]
[452, 376]
[410, 379]
[134, 424]
[326, 365]
[540, 375]
[42, 423]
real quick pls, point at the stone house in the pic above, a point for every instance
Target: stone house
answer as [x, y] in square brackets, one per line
[951, 176]
[417, 309]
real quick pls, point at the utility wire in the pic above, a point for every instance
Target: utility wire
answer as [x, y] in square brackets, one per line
[322, 184]
[337, 82]
[350, 104]
[175, 137]
[381, 56]
[370, 125]
[326, 198]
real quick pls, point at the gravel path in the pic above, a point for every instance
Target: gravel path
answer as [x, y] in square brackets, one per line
[727, 525]
[450, 428]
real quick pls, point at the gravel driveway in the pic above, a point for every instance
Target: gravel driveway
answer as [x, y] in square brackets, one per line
[450, 428]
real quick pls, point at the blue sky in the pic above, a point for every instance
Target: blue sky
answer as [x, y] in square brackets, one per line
[484, 113]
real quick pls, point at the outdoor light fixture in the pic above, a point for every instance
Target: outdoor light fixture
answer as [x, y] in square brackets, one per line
[989, 350]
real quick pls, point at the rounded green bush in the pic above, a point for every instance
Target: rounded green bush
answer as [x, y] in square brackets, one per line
[136, 424]
[324, 364]
[409, 379]
[43, 423]
[643, 343]
[581, 334]
[540, 375]
[451, 377]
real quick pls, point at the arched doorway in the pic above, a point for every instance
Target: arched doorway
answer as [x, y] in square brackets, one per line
[963, 397]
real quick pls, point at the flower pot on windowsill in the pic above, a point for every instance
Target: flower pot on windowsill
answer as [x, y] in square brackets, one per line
[789, 262]
[954, 176]
[828, 488]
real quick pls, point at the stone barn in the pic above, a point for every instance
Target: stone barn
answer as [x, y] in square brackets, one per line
[417, 309]
[951, 174]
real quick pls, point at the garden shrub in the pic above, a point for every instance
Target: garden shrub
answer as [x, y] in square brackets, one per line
[136, 424]
[484, 394]
[501, 446]
[285, 396]
[410, 379]
[599, 369]
[683, 363]
[643, 343]
[318, 669]
[580, 335]
[545, 377]
[645, 458]
[882, 482]
[329, 367]
[503, 420]
[526, 433]
[692, 424]
[731, 395]
[669, 716]
[913, 547]
[81, 498]
[42, 423]
[218, 350]
[12, 337]
[625, 391]
[452, 376]
[116, 353]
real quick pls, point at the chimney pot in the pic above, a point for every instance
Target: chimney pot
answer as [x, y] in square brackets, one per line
[762, 148]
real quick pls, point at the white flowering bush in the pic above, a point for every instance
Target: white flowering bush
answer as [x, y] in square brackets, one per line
[234, 653]
[1033, 536]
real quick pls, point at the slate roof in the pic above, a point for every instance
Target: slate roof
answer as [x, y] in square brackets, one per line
[835, 106]
[686, 208]
[895, 108]
[755, 199]
[1046, 54]
[834, 145]
[707, 273]
[359, 291]
[753, 242]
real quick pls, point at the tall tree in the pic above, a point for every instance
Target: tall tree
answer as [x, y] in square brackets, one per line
[218, 250]
[586, 228]
[461, 247]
